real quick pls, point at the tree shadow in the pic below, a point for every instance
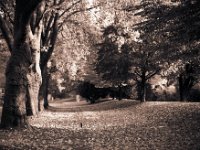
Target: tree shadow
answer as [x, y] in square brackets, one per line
[102, 105]
[43, 138]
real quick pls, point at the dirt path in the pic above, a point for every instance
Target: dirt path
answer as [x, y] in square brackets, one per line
[111, 125]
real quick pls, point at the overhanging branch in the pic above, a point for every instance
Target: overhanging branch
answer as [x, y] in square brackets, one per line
[150, 75]
[73, 13]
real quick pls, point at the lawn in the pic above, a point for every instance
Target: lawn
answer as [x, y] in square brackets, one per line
[109, 125]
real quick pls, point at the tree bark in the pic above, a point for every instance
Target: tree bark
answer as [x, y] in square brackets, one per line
[180, 80]
[143, 91]
[21, 92]
[185, 86]
[45, 56]
[23, 75]
[44, 87]
[143, 87]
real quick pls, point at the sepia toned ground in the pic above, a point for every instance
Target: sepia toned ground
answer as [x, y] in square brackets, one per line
[108, 125]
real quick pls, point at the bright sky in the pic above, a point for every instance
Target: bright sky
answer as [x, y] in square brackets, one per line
[93, 12]
[90, 2]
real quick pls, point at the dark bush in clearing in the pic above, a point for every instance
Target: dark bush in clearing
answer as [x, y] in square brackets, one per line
[92, 94]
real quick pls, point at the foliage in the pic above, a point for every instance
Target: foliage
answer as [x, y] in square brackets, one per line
[174, 27]
[87, 90]
[91, 93]
[113, 62]
[74, 55]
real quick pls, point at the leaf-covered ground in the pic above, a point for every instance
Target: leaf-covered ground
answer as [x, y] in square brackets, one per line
[110, 125]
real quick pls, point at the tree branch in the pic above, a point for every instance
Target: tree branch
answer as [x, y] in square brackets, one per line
[46, 55]
[150, 75]
[6, 34]
[70, 7]
[6, 12]
[47, 28]
[72, 13]
[40, 14]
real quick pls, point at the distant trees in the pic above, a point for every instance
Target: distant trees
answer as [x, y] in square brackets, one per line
[168, 34]
[176, 26]
[129, 54]
[147, 61]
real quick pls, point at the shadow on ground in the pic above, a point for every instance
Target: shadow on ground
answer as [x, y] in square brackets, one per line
[102, 105]
[129, 137]
[147, 126]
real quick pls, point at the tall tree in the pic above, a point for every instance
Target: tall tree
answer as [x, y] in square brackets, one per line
[23, 75]
[61, 17]
[146, 62]
[113, 62]
[177, 25]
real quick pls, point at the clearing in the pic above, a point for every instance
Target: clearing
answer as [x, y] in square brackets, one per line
[109, 125]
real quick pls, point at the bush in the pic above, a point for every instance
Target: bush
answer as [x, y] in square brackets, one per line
[92, 94]
[194, 95]
[87, 90]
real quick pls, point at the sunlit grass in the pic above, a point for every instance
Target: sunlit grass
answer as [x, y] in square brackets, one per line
[97, 116]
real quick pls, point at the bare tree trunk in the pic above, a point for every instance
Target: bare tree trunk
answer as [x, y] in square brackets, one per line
[180, 81]
[45, 56]
[185, 86]
[186, 82]
[44, 87]
[34, 77]
[22, 86]
[14, 108]
[143, 91]
[23, 75]
[143, 87]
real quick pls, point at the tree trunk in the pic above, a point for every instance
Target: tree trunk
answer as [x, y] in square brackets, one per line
[183, 91]
[45, 56]
[44, 87]
[180, 80]
[21, 92]
[143, 91]
[120, 92]
[185, 86]
[143, 87]
[14, 107]
[23, 75]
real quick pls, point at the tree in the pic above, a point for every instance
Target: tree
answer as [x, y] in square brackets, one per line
[186, 82]
[55, 23]
[146, 62]
[176, 23]
[140, 55]
[66, 15]
[74, 52]
[113, 62]
[28, 42]
[23, 75]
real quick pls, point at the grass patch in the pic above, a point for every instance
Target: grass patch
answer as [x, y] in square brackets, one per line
[111, 125]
